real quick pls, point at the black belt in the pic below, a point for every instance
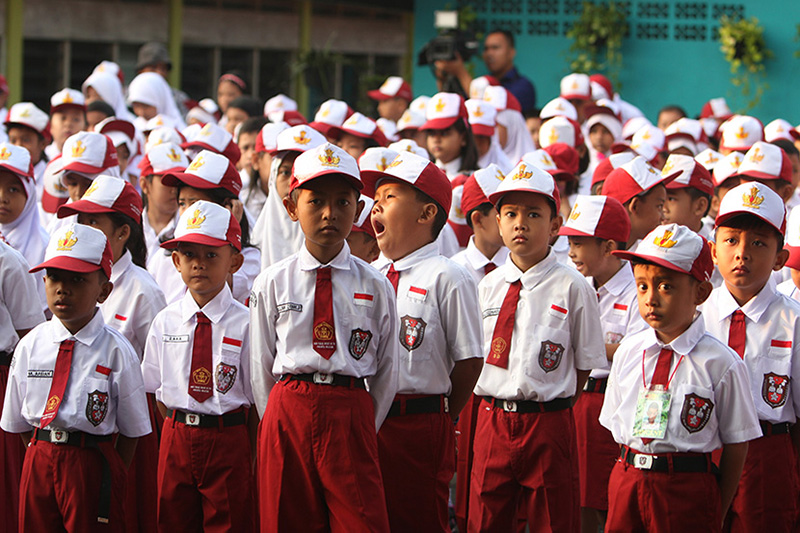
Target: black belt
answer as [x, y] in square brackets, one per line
[437, 403]
[596, 385]
[319, 378]
[774, 429]
[5, 358]
[528, 406]
[234, 418]
[668, 462]
[84, 440]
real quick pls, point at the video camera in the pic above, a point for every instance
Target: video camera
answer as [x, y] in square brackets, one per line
[449, 42]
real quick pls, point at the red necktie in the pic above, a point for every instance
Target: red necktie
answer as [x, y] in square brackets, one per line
[501, 338]
[488, 268]
[394, 277]
[324, 336]
[200, 378]
[59, 384]
[661, 375]
[737, 335]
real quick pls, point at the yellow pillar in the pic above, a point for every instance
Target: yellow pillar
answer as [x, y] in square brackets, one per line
[14, 49]
[175, 40]
[409, 57]
[304, 47]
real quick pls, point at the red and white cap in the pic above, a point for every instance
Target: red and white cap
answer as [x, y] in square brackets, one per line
[210, 106]
[716, 108]
[478, 85]
[67, 99]
[209, 170]
[420, 104]
[27, 114]
[208, 224]
[360, 126]
[793, 239]
[566, 158]
[267, 140]
[633, 178]
[501, 98]
[767, 162]
[690, 174]
[558, 107]
[292, 118]
[188, 133]
[541, 158]
[444, 109]
[409, 145]
[160, 121]
[560, 130]
[298, 139]
[727, 167]
[410, 121]
[677, 248]
[632, 125]
[200, 115]
[120, 131]
[375, 159]
[279, 102]
[107, 194]
[686, 127]
[741, 132]
[648, 142]
[418, 172]
[576, 86]
[332, 113]
[325, 160]
[708, 158]
[711, 127]
[527, 176]
[780, 129]
[393, 87]
[601, 87]
[753, 198]
[77, 248]
[607, 165]
[54, 193]
[482, 117]
[163, 159]
[604, 112]
[88, 152]
[217, 139]
[479, 186]
[16, 160]
[598, 216]
[166, 134]
[363, 223]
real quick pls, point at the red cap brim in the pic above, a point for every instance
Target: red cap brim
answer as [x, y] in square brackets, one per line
[196, 238]
[67, 263]
[482, 129]
[321, 127]
[82, 206]
[173, 179]
[439, 123]
[794, 257]
[81, 167]
[759, 175]
[294, 184]
[62, 107]
[379, 96]
[51, 203]
[624, 254]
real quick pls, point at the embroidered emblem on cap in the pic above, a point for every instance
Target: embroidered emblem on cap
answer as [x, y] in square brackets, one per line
[752, 200]
[329, 160]
[4, 154]
[196, 220]
[741, 134]
[646, 134]
[665, 241]
[711, 159]
[669, 166]
[575, 213]
[499, 175]
[546, 159]
[382, 165]
[553, 137]
[521, 174]
[440, 105]
[197, 163]
[326, 111]
[66, 243]
[78, 148]
[575, 85]
[67, 99]
[478, 112]
[352, 121]
[302, 139]
[206, 131]
[173, 155]
[91, 190]
[396, 161]
[756, 156]
[25, 113]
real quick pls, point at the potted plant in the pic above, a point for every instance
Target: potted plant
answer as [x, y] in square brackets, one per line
[597, 39]
[745, 49]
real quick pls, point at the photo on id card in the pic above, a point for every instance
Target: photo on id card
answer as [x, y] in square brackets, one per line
[652, 414]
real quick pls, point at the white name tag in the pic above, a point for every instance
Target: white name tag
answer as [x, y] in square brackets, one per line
[40, 373]
[175, 338]
[492, 311]
[290, 306]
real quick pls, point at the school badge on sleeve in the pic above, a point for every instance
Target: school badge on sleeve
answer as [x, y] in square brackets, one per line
[225, 377]
[97, 407]
[550, 355]
[412, 330]
[774, 389]
[359, 343]
[696, 412]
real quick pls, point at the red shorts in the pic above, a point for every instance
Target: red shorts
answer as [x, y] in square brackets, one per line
[141, 505]
[597, 451]
[12, 455]
[465, 435]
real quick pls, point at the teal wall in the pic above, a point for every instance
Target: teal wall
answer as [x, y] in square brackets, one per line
[656, 71]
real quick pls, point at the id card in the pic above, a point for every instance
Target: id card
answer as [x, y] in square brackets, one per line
[652, 414]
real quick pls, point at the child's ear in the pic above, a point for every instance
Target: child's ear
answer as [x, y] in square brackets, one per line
[105, 290]
[476, 218]
[713, 246]
[123, 233]
[700, 206]
[291, 207]
[359, 208]
[176, 260]
[702, 291]
[780, 259]
[237, 260]
[143, 184]
[555, 225]
[428, 213]
[609, 245]
[786, 191]
[634, 205]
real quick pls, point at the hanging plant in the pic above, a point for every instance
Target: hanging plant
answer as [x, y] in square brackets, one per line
[742, 42]
[597, 40]
[796, 39]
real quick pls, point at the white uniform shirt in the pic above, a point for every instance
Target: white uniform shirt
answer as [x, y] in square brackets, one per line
[152, 239]
[711, 404]
[365, 322]
[104, 382]
[772, 348]
[18, 291]
[133, 303]
[167, 360]
[556, 331]
[437, 305]
[475, 262]
[789, 289]
[619, 311]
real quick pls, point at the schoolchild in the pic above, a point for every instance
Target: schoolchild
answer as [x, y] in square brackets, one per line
[688, 194]
[29, 127]
[393, 97]
[67, 117]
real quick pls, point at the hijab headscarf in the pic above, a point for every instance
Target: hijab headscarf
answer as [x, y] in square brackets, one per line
[152, 89]
[518, 138]
[109, 88]
[26, 233]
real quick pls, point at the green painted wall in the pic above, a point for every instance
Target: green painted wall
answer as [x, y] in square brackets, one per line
[656, 71]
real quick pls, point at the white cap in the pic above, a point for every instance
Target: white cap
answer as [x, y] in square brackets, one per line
[325, 159]
[376, 158]
[558, 107]
[299, 139]
[728, 166]
[755, 199]
[280, 102]
[409, 145]
[675, 247]
[740, 132]
[77, 248]
[708, 158]
[576, 86]
[27, 114]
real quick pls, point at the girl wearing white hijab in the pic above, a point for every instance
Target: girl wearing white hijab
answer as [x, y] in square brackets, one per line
[108, 89]
[513, 134]
[152, 90]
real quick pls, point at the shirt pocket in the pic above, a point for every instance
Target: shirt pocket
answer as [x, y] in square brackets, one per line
[771, 383]
[692, 416]
[359, 340]
[96, 400]
[548, 352]
[613, 331]
[420, 329]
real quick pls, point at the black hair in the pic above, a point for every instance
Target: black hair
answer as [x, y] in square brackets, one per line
[239, 74]
[253, 124]
[636, 261]
[583, 162]
[220, 196]
[441, 215]
[672, 108]
[550, 202]
[787, 146]
[484, 209]
[747, 221]
[507, 34]
[136, 244]
[249, 105]
[619, 245]
[101, 107]
[695, 194]
[469, 152]
[532, 113]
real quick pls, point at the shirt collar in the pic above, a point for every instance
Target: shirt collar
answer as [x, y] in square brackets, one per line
[619, 281]
[531, 277]
[753, 309]
[119, 268]
[476, 258]
[511, 75]
[306, 261]
[684, 343]
[411, 260]
[87, 333]
[215, 310]
[452, 168]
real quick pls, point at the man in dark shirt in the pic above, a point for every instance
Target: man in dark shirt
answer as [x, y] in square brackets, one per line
[498, 54]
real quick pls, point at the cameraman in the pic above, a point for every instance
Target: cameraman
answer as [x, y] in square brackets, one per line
[452, 76]
[498, 55]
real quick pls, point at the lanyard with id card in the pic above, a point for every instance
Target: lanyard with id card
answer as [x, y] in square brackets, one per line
[652, 407]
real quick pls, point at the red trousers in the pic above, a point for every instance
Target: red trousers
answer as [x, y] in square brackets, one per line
[318, 461]
[466, 434]
[528, 459]
[12, 454]
[60, 489]
[418, 456]
[660, 502]
[141, 504]
[205, 480]
[597, 451]
[766, 499]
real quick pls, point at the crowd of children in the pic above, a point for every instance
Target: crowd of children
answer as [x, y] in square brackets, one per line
[454, 317]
